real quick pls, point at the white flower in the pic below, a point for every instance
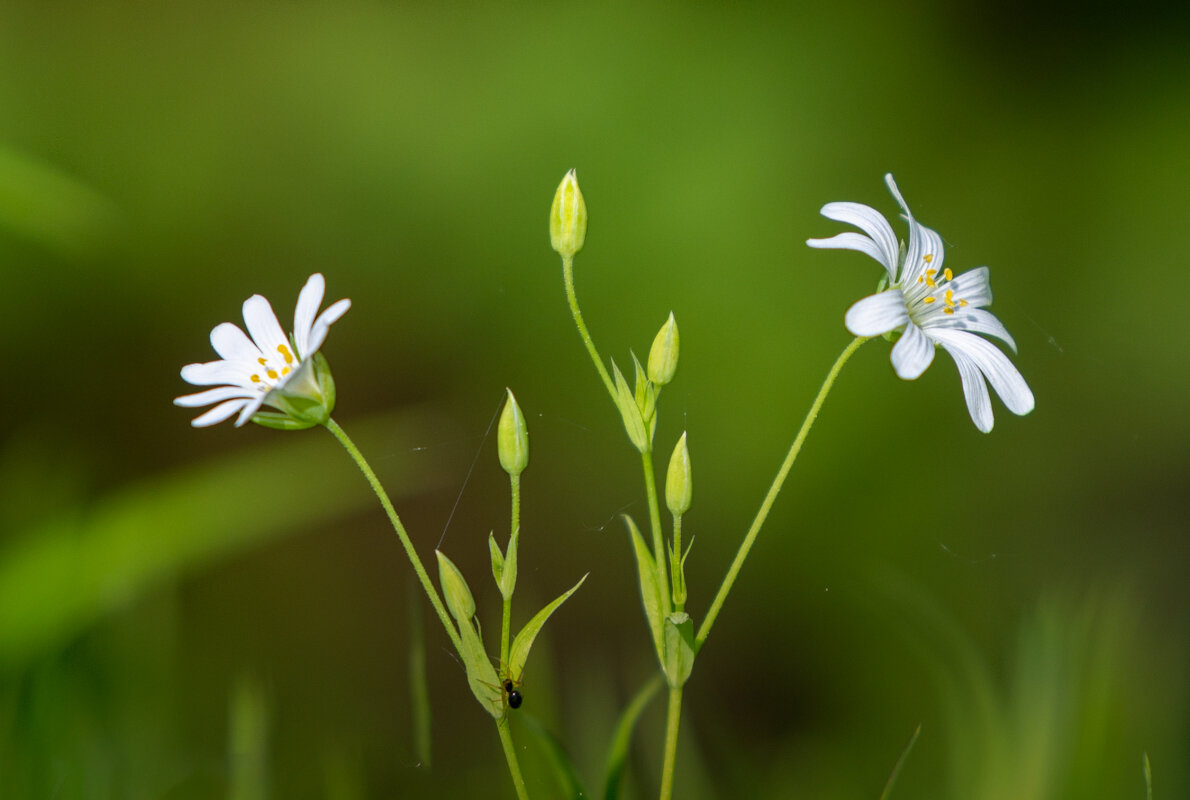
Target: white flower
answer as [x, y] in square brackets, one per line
[931, 306]
[254, 371]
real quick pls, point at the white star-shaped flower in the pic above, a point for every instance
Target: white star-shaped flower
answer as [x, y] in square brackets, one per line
[254, 371]
[931, 306]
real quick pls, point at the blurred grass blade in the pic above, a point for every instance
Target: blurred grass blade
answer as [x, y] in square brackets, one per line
[419, 686]
[1148, 779]
[623, 737]
[556, 756]
[248, 741]
[60, 576]
[896, 771]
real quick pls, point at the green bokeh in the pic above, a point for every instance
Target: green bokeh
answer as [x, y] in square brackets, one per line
[224, 612]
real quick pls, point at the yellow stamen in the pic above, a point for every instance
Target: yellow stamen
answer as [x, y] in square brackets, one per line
[929, 300]
[262, 361]
[928, 257]
[930, 273]
[962, 303]
[288, 356]
[287, 370]
[272, 373]
[948, 310]
[255, 379]
[949, 275]
[949, 300]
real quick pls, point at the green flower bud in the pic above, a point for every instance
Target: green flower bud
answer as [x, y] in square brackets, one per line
[568, 217]
[678, 487]
[663, 356]
[454, 586]
[512, 438]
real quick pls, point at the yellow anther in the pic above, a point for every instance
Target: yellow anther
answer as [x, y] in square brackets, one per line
[929, 300]
[948, 310]
[949, 275]
[930, 273]
[262, 361]
[288, 356]
[288, 370]
[272, 373]
[949, 300]
[962, 303]
[928, 257]
[255, 379]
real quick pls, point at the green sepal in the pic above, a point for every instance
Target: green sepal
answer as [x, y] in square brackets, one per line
[679, 648]
[518, 654]
[645, 394]
[497, 561]
[650, 592]
[280, 422]
[481, 675]
[679, 488]
[504, 566]
[630, 412]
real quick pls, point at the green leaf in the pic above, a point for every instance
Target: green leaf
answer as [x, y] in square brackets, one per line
[900, 763]
[497, 561]
[519, 653]
[630, 412]
[509, 582]
[569, 783]
[679, 648]
[650, 592]
[622, 738]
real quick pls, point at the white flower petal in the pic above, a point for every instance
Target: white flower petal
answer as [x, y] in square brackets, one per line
[854, 241]
[323, 323]
[975, 320]
[233, 344]
[216, 395]
[924, 252]
[218, 413]
[912, 353]
[979, 404]
[1000, 372]
[871, 222]
[263, 326]
[303, 316]
[877, 314]
[235, 373]
[251, 408]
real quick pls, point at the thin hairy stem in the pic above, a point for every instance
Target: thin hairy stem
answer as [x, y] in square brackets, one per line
[514, 767]
[646, 459]
[779, 481]
[512, 551]
[671, 742]
[431, 592]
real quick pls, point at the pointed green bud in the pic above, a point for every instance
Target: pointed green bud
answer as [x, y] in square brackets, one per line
[663, 356]
[568, 217]
[678, 487]
[454, 586]
[512, 438]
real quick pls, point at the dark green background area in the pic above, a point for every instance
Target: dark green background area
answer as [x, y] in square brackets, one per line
[166, 592]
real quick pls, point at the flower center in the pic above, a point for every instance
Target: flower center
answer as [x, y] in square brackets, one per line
[931, 287]
[274, 370]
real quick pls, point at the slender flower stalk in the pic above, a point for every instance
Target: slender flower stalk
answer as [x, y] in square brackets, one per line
[775, 489]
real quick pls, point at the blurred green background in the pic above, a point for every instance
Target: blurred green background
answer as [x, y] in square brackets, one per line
[224, 613]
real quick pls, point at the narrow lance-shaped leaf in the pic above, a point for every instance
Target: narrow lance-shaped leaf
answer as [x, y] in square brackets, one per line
[519, 653]
[497, 561]
[650, 592]
[630, 412]
[623, 738]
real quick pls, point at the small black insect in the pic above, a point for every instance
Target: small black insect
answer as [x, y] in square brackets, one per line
[513, 694]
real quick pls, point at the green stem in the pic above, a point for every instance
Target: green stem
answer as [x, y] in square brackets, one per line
[514, 768]
[512, 551]
[431, 592]
[568, 280]
[675, 567]
[779, 481]
[671, 742]
[646, 459]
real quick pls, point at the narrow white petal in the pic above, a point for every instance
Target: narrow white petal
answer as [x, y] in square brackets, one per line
[216, 395]
[322, 324]
[263, 326]
[854, 241]
[924, 252]
[234, 373]
[250, 408]
[218, 413]
[975, 320]
[979, 403]
[871, 222]
[307, 307]
[232, 343]
[1000, 372]
[877, 314]
[974, 286]
[912, 353]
